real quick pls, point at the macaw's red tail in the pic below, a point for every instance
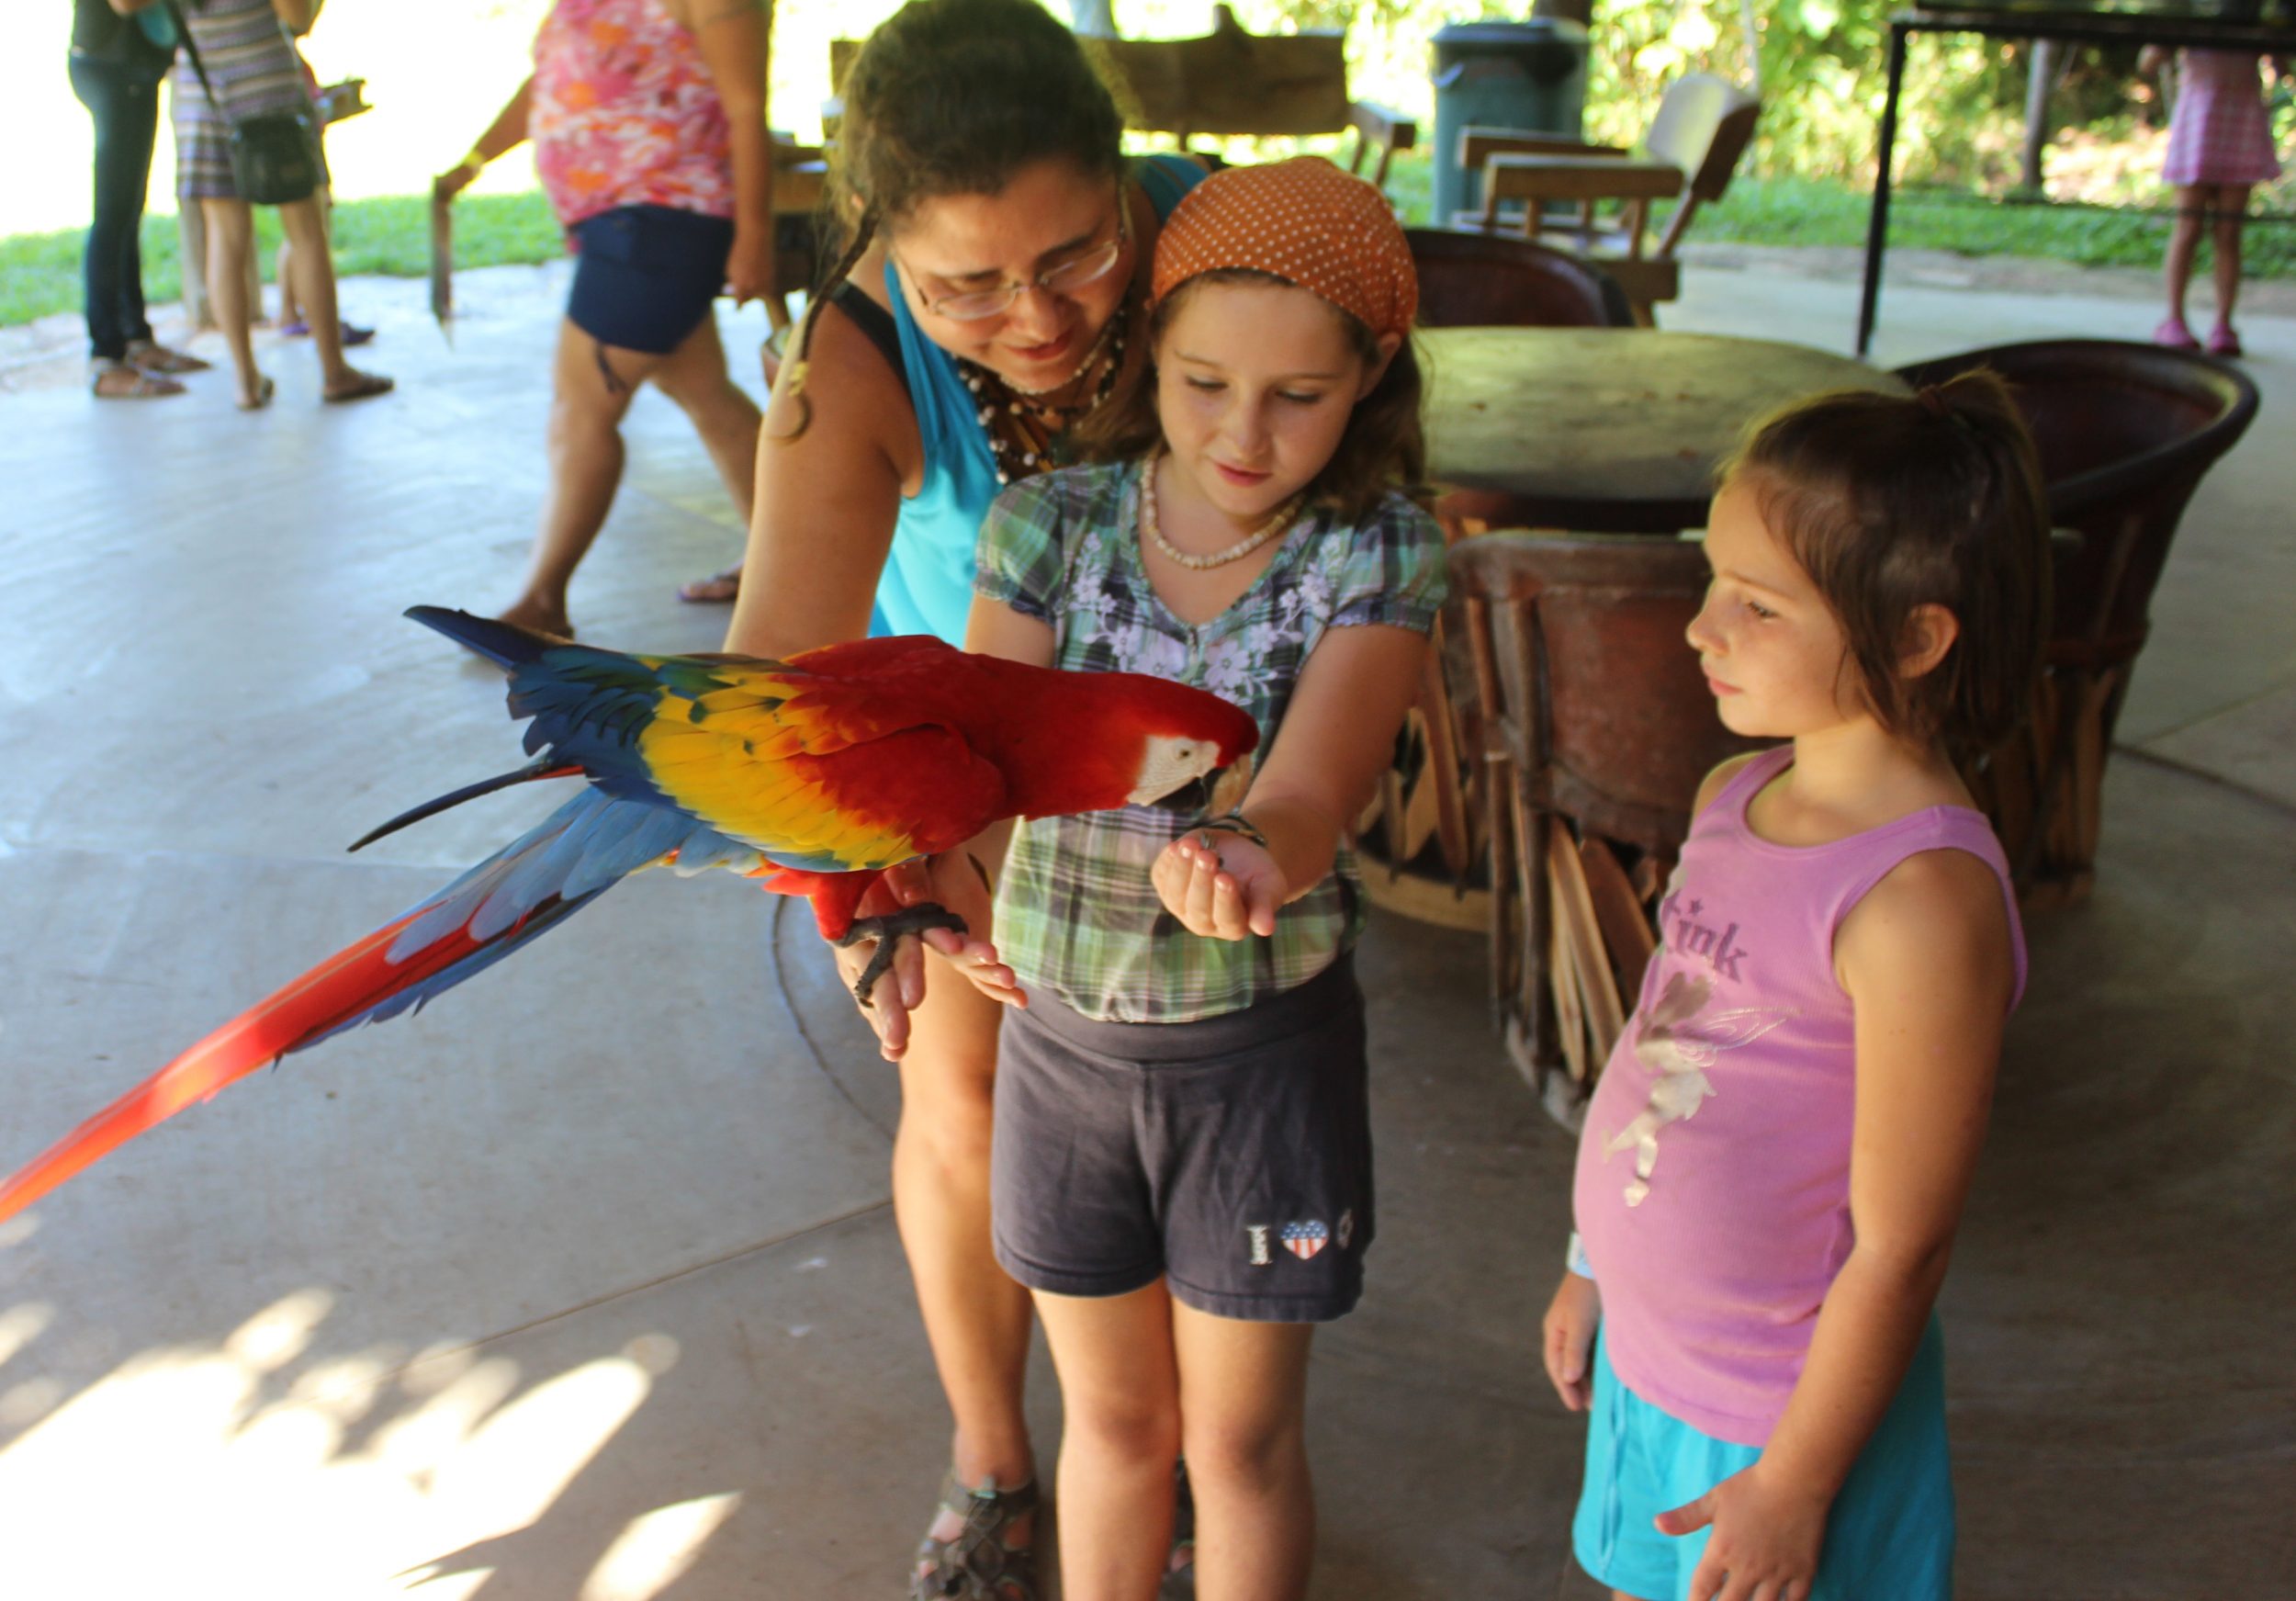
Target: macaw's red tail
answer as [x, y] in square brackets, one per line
[353, 985]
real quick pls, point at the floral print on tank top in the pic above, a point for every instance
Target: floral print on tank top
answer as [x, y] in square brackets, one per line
[623, 113]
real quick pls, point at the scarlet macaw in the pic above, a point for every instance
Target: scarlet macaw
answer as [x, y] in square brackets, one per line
[812, 776]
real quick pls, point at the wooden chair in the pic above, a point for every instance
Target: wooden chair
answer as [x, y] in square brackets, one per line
[1469, 279]
[2126, 431]
[1597, 727]
[1703, 125]
[1426, 834]
[1233, 82]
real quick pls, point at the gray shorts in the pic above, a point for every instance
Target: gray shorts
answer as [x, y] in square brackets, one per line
[1230, 1157]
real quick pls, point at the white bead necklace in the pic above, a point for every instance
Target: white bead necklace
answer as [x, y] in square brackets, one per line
[1283, 519]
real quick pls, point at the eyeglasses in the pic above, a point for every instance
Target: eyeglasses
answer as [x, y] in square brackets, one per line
[1066, 278]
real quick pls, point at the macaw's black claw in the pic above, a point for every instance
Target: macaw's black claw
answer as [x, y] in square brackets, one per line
[887, 931]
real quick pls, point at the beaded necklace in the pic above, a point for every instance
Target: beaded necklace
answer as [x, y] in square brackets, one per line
[1015, 421]
[1286, 515]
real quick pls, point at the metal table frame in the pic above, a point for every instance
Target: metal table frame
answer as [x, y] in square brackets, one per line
[2074, 27]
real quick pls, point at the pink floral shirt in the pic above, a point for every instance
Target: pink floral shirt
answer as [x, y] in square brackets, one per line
[624, 114]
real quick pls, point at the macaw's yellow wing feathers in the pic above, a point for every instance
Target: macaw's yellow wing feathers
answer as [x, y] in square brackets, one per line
[871, 804]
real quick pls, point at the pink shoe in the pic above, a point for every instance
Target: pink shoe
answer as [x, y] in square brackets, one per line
[2174, 335]
[2223, 341]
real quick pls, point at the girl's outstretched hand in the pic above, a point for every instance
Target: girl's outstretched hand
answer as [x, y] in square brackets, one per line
[1220, 884]
[1766, 1538]
[1571, 1319]
[952, 881]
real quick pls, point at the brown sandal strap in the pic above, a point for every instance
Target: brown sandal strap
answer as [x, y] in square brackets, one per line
[974, 1563]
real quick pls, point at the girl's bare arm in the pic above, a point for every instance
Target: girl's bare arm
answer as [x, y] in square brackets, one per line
[1338, 736]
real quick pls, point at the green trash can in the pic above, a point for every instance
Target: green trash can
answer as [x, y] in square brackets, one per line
[1530, 75]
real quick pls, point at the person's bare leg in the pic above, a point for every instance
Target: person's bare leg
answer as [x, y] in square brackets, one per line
[976, 1318]
[283, 269]
[1243, 1393]
[696, 376]
[306, 230]
[2184, 238]
[2232, 218]
[728, 422]
[1121, 1432]
[230, 231]
[191, 249]
[593, 384]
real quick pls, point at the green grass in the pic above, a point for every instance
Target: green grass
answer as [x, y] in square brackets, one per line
[40, 273]
[1804, 212]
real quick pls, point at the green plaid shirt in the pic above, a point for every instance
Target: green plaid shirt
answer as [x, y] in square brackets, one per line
[1077, 916]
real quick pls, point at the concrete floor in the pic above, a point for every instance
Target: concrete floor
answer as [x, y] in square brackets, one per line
[584, 1284]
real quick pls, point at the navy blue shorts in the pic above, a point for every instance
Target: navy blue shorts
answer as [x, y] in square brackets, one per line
[1230, 1157]
[645, 276]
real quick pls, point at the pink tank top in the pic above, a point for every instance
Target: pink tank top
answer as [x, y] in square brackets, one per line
[1713, 1187]
[621, 113]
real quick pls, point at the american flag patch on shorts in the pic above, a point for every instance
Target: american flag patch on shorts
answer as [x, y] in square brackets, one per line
[1304, 1239]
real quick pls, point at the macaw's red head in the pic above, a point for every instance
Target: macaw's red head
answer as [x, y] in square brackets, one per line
[1093, 741]
[1195, 750]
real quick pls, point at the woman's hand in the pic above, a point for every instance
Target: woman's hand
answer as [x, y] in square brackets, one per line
[952, 881]
[749, 264]
[1571, 1318]
[453, 181]
[1767, 1535]
[1220, 884]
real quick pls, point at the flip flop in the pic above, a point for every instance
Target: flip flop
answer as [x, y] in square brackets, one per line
[263, 397]
[718, 589]
[350, 336]
[365, 387]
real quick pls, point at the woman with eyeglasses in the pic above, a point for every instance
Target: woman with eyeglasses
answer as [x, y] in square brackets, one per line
[986, 303]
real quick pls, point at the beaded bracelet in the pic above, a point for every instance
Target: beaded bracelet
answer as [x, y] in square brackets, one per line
[1235, 822]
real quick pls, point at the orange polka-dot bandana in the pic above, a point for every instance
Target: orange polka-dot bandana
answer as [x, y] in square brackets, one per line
[1305, 221]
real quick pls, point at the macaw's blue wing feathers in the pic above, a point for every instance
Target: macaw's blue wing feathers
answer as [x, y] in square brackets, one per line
[505, 644]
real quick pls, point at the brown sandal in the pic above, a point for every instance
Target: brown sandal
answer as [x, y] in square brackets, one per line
[152, 357]
[974, 1563]
[123, 380]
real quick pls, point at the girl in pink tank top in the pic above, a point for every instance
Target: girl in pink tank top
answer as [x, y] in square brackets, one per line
[1775, 1157]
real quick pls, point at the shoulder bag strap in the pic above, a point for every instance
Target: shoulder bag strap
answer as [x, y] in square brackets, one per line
[183, 33]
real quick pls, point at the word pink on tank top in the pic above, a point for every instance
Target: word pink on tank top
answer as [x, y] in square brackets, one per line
[623, 113]
[1713, 1185]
